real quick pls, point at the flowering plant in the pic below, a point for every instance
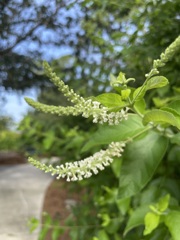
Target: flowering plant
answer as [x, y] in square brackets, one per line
[127, 126]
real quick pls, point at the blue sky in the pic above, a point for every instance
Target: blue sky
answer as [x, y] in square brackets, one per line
[15, 105]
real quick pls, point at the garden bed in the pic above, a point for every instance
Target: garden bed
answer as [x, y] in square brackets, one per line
[56, 204]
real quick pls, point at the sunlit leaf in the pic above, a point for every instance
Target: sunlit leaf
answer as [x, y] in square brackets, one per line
[139, 93]
[160, 102]
[156, 82]
[33, 224]
[151, 222]
[171, 110]
[163, 203]
[110, 100]
[125, 93]
[140, 106]
[161, 117]
[172, 221]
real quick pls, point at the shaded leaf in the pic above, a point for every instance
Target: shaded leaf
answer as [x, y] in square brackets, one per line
[175, 105]
[107, 134]
[140, 160]
[136, 218]
[123, 205]
[116, 166]
[176, 139]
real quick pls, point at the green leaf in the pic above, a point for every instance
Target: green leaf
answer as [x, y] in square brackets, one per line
[172, 187]
[117, 236]
[136, 218]
[172, 221]
[176, 139]
[33, 224]
[116, 166]
[123, 205]
[103, 235]
[163, 203]
[110, 100]
[95, 238]
[113, 80]
[151, 222]
[139, 93]
[151, 193]
[105, 219]
[171, 110]
[49, 140]
[140, 160]
[121, 78]
[107, 134]
[174, 108]
[125, 93]
[56, 230]
[176, 89]
[140, 106]
[118, 89]
[174, 155]
[175, 105]
[46, 226]
[156, 82]
[114, 225]
[160, 117]
[160, 102]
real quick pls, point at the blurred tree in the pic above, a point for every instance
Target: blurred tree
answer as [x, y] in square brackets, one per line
[101, 37]
[5, 122]
[156, 25]
[27, 30]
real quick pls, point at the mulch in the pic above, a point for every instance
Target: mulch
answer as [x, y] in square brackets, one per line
[57, 203]
[11, 158]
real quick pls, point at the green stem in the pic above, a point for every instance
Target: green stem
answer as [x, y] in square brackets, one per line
[138, 134]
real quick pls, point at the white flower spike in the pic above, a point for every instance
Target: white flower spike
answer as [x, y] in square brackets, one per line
[84, 168]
